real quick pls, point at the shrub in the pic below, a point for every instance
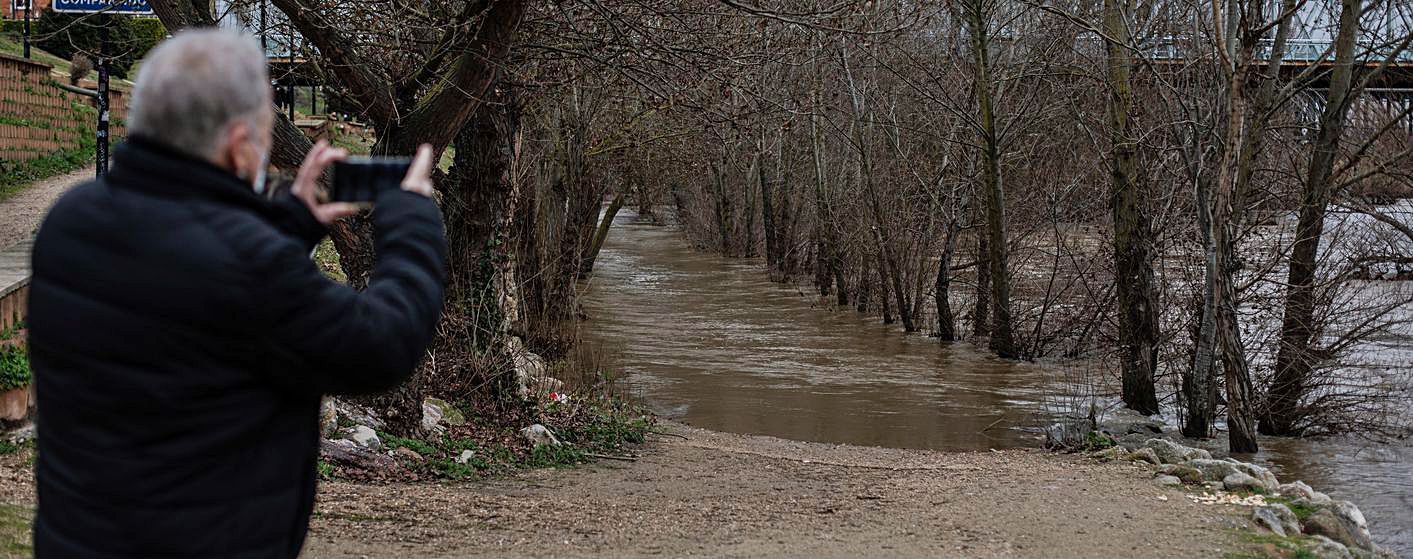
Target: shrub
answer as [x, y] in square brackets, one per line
[129, 38]
[14, 367]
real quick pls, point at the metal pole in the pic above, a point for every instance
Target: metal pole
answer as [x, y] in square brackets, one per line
[29, 4]
[313, 100]
[101, 150]
[263, 45]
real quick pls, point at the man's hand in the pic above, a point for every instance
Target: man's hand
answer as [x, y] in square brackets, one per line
[306, 184]
[419, 175]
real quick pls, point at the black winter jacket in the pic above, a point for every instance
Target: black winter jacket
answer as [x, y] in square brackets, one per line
[180, 339]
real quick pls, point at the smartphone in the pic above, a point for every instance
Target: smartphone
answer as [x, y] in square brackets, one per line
[362, 179]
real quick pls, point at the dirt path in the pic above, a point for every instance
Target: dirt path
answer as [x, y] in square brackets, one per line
[721, 495]
[21, 212]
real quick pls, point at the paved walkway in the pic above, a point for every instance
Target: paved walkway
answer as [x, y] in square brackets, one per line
[21, 212]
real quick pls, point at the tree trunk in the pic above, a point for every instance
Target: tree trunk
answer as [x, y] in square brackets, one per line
[1294, 360]
[1002, 339]
[1133, 238]
[601, 234]
[981, 309]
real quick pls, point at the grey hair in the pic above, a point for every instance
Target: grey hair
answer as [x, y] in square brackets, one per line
[195, 85]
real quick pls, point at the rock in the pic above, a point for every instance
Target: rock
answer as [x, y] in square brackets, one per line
[1296, 489]
[1144, 455]
[365, 438]
[1167, 480]
[431, 418]
[1133, 441]
[466, 456]
[539, 435]
[23, 434]
[1187, 474]
[449, 414]
[1326, 548]
[1354, 520]
[1213, 470]
[1124, 421]
[1264, 475]
[1172, 453]
[1331, 524]
[328, 418]
[358, 415]
[407, 454]
[1276, 518]
[1240, 481]
[347, 453]
[528, 367]
[1107, 455]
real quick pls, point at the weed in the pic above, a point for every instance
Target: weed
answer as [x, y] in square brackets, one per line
[14, 367]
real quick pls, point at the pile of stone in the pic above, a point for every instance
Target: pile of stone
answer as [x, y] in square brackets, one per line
[1338, 528]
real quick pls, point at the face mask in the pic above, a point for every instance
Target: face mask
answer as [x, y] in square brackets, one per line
[258, 183]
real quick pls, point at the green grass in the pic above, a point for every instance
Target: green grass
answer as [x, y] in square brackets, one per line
[13, 44]
[1302, 510]
[608, 430]
[15, 522]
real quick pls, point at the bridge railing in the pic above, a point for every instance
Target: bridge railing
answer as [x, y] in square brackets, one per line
[1297, 50]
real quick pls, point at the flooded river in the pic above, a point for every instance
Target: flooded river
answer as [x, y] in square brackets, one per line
[711, 342]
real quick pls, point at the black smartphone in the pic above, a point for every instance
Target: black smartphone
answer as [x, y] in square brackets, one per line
[362, 179]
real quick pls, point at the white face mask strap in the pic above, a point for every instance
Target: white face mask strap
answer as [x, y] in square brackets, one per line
[260, 174]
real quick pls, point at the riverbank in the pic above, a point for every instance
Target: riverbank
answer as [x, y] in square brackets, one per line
[696, 492]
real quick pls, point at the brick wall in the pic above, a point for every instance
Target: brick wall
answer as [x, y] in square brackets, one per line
[38, 119]
[8, 12]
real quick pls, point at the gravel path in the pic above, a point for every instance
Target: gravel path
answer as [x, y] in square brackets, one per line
[722, 495]
[21, 212]
[698, 493]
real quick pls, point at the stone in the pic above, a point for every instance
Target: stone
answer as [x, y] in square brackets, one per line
[1277, 518]
[539, 435]
[1264, 475]
[1144, 455]
[1167, 480]
[358, 415]
[1172, 453]
[365, 437]
[1187, 474]
[1331, 524]
[1124, 421]
[407, 454]
[449, 414]
[1326, 548]
[1133, 441]
[1213, 470]
[528, 367]
[1108, 454]
[466, 456]
[431, 418]
[328, 418]
[1296, 489]
[1351, 516]
[23, 434]
[1240, 481]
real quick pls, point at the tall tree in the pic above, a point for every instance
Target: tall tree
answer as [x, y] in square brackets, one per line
[1133, 236]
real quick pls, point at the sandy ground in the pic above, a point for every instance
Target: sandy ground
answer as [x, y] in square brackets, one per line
[698, 493]
[701, 493]
[21, 213]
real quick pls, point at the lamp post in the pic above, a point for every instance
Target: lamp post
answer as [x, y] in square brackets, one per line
[28, 4]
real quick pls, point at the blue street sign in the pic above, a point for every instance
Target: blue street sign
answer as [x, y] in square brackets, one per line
[126, 7]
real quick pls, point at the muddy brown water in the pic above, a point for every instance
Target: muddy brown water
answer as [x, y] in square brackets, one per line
[711, 342]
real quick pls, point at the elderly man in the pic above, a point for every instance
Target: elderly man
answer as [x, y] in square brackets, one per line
[181, 337]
